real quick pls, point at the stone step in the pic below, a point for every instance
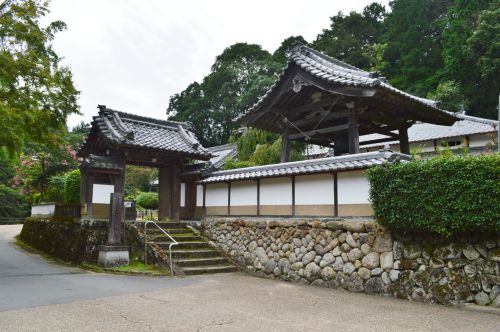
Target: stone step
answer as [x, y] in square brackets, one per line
[178, 237]
[193, 253]
[184, 245]
[170, 231]
[167, 224]
[222, 268]
[207, 261]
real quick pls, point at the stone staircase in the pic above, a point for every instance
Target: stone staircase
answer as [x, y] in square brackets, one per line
[192, 255]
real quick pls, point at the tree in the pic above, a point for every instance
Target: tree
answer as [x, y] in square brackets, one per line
[138, 179]
[413, 49]
[13, 203]
[148, 201]
[39, 163]
[472, 52]
[350, 37]
[283, 52]
[72, 187]
[36, 92]
[238, 77]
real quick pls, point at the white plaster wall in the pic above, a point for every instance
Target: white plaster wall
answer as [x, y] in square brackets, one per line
[216, 194]
[199, 195]
[314, 189]
[183, 194]
[353, 187]
[101, 193]
[480, 140]
[43, 210]
[244, 193]
[276, 191]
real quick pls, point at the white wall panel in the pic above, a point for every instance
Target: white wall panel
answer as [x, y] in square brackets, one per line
[480, 140]
[183, 194]
[217, 194]
[101, 193]
[314, 189]
[276, 191]
[243, 193]
[199, 195]
[353, 187]
[43, 210]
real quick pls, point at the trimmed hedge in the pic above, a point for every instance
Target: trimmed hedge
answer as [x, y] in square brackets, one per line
[72, 187]
[445, 195]
[147, 200]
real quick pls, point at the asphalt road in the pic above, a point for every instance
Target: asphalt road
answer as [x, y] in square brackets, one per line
[224, 302]
[28, 280]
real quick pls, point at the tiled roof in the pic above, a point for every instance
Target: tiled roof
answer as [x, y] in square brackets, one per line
[136, 131]
[467, 125]
[220, 153]
[324, 165]
[335, 71]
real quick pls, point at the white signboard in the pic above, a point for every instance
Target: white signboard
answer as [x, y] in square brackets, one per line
[102, 192]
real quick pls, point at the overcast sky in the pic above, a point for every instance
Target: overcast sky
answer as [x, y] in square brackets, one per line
[133, 55]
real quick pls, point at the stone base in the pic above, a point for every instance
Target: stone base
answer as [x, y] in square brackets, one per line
[112, 256]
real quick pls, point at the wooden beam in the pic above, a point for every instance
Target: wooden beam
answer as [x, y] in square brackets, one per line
[335, 196]
[334, 115]
[380, 140]
[229, 198]
[320, 131]
[258, 197]
[353, 133]
[176, 193]
[404, 145]
[285, 145]
[293, 195]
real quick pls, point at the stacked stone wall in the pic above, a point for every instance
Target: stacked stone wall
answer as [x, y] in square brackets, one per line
[361, 256]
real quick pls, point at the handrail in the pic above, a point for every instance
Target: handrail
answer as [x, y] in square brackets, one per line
[169, 247]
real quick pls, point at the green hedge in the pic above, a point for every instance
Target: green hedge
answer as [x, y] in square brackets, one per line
[147, 200]
[444, 195]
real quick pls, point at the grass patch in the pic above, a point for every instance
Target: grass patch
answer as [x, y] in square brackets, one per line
[136, 267]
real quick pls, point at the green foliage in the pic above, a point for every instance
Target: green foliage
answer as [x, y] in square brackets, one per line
[147, 200]
[36, 92]
[350, 37]
[444, 195]
[138, 179]
[13, 204]
[449, 96]
[72, 187]
[6, 167]
[472, 52]
[55, 189]
[239, 76]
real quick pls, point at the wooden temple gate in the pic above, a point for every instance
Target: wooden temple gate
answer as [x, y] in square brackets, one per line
[117, 139]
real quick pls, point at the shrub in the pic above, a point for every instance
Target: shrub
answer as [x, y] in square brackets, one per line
[55, 189]
[72, 187]
[444, 195]
[13, 204]
[147, 200]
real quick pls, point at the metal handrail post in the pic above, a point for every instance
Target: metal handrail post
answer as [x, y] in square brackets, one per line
[169, 247]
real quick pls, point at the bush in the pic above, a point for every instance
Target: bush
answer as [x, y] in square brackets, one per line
[72, 187]
[13, 204]
[147, 200]
[55, 189]
[444, 195]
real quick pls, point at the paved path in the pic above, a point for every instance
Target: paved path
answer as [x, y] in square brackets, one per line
[27, 280]
[224, 302]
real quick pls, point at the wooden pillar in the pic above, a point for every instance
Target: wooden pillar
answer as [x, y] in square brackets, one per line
[169, 195]
[176, 193]
[353, 133]
[335, 195]
[190, 201]
[404, 145]
[89, 193]
[285, 144]
[164, 192]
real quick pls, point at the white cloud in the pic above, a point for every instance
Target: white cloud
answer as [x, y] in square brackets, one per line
[133, 55]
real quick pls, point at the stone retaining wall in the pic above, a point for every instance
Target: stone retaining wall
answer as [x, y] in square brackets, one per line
[75, 242]
[360, 256]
